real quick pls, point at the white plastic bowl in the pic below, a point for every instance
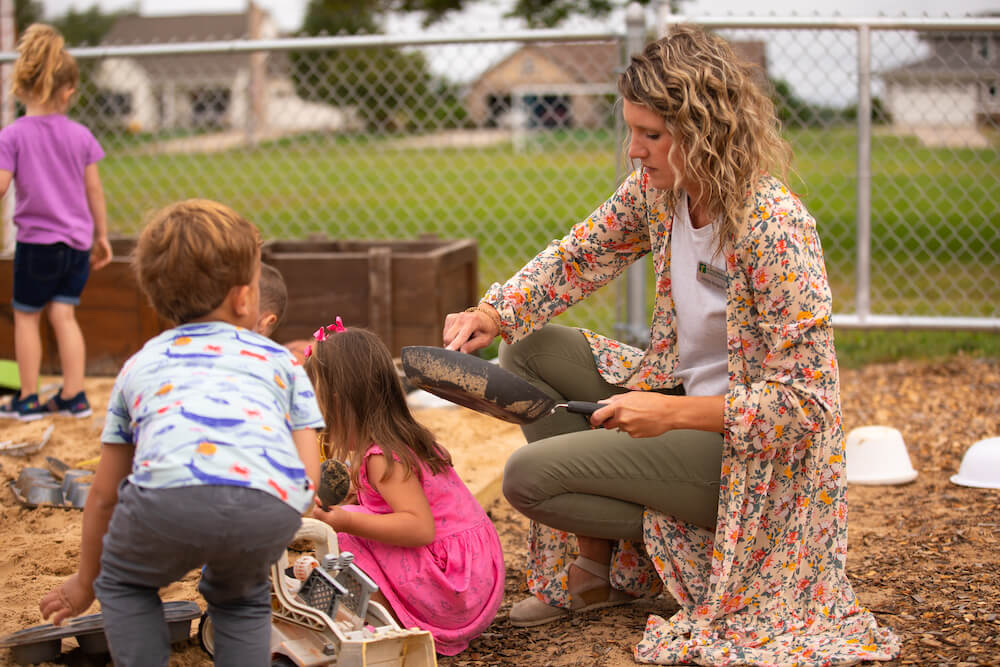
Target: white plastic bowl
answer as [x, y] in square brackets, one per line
[980, 466]
[877, 455]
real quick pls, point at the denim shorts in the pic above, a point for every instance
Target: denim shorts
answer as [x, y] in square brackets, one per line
[48, 272]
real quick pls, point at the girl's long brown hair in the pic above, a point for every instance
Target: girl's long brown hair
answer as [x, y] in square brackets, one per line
[43, 67]
[720, 118]
[363, 403]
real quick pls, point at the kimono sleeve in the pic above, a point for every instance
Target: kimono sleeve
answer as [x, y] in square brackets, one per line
[569, 269]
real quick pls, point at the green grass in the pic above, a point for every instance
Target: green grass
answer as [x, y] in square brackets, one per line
[858, 348]
[935, 250]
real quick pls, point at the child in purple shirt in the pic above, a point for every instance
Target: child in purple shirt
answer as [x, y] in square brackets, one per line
[60, 217]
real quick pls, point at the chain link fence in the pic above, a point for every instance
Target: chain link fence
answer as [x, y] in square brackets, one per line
[509, 138]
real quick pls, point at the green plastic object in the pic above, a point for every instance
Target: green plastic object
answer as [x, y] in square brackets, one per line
[9, 379]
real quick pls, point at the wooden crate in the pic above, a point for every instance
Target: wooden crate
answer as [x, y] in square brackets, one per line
[113, 313]
[401, 290]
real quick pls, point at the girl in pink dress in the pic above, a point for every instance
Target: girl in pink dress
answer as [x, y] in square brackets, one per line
[416, 529]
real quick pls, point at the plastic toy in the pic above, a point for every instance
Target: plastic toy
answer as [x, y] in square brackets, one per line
[328, 617]
[43, 643]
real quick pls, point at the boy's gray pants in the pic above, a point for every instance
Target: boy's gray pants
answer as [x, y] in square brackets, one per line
[158, 536]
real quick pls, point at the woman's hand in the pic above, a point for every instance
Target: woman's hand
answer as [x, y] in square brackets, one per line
[641, 414]
[72, 598]
[644, 414]
[471, 330]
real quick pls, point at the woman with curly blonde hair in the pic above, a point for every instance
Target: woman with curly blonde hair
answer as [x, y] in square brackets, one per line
[715, 468]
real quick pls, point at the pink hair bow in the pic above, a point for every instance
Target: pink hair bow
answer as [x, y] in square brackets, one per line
[322, 333]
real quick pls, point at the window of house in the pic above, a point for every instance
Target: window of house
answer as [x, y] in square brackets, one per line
[989, 95]
[114, 104]
[209, 106]
[983, 49]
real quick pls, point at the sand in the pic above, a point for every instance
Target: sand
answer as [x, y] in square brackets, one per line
[40, 546]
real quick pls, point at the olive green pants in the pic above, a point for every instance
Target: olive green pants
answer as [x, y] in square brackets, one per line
[597, 482]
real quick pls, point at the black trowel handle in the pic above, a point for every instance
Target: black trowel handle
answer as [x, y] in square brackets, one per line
[585, 408]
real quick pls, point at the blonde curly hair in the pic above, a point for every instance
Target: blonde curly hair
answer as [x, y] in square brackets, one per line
[719, 117]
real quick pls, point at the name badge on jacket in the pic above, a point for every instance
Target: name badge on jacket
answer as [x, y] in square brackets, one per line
[712, 275]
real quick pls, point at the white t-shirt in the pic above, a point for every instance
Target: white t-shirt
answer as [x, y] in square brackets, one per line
[697, 279]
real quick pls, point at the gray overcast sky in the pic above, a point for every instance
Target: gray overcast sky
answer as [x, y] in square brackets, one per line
[288, 13]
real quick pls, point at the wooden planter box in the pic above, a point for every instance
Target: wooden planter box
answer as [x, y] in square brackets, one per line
[113, 313]
[401, 290]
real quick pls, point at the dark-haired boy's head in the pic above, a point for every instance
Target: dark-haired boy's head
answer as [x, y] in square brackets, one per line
[273, 300]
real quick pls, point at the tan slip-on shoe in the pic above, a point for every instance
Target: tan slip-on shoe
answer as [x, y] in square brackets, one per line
[531, 611]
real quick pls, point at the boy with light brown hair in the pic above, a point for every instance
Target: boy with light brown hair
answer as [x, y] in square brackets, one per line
[208, 452]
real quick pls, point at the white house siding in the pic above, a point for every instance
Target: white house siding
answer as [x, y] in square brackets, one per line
[124, 75]
[239, 100]
[288, 112]
[168, 105]
[989, 96]
[932, 104]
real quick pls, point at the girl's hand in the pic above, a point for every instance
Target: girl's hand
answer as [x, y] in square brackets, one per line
[72, 598]
[409, 524]
[335, 517]
[100, 253]
[470, 330]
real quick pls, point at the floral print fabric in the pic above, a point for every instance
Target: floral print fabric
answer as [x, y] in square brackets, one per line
[769, 586]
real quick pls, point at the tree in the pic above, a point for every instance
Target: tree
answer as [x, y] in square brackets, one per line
[334, 17]
[880, 114]
[793, 111]
[536, 13]
[79, 28]
[391, 88]
[26, 12]
[87, 27]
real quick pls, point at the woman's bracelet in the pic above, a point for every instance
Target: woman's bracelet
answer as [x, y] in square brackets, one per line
[490, 313]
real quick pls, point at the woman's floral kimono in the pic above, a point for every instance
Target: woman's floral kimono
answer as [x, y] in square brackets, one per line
[769, 586]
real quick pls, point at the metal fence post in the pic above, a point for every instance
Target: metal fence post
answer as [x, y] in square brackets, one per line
[636, 320]
[256, 120]
[8, 233]
[864, 222]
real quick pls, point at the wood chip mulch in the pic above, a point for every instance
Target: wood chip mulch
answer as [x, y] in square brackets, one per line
[924, 556]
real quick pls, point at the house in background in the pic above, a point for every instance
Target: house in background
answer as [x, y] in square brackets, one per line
[956, 87]
[566, 84]
[223, 91]
[546, 85]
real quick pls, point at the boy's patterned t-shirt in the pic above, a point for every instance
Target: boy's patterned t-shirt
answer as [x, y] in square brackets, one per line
[213, 403]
